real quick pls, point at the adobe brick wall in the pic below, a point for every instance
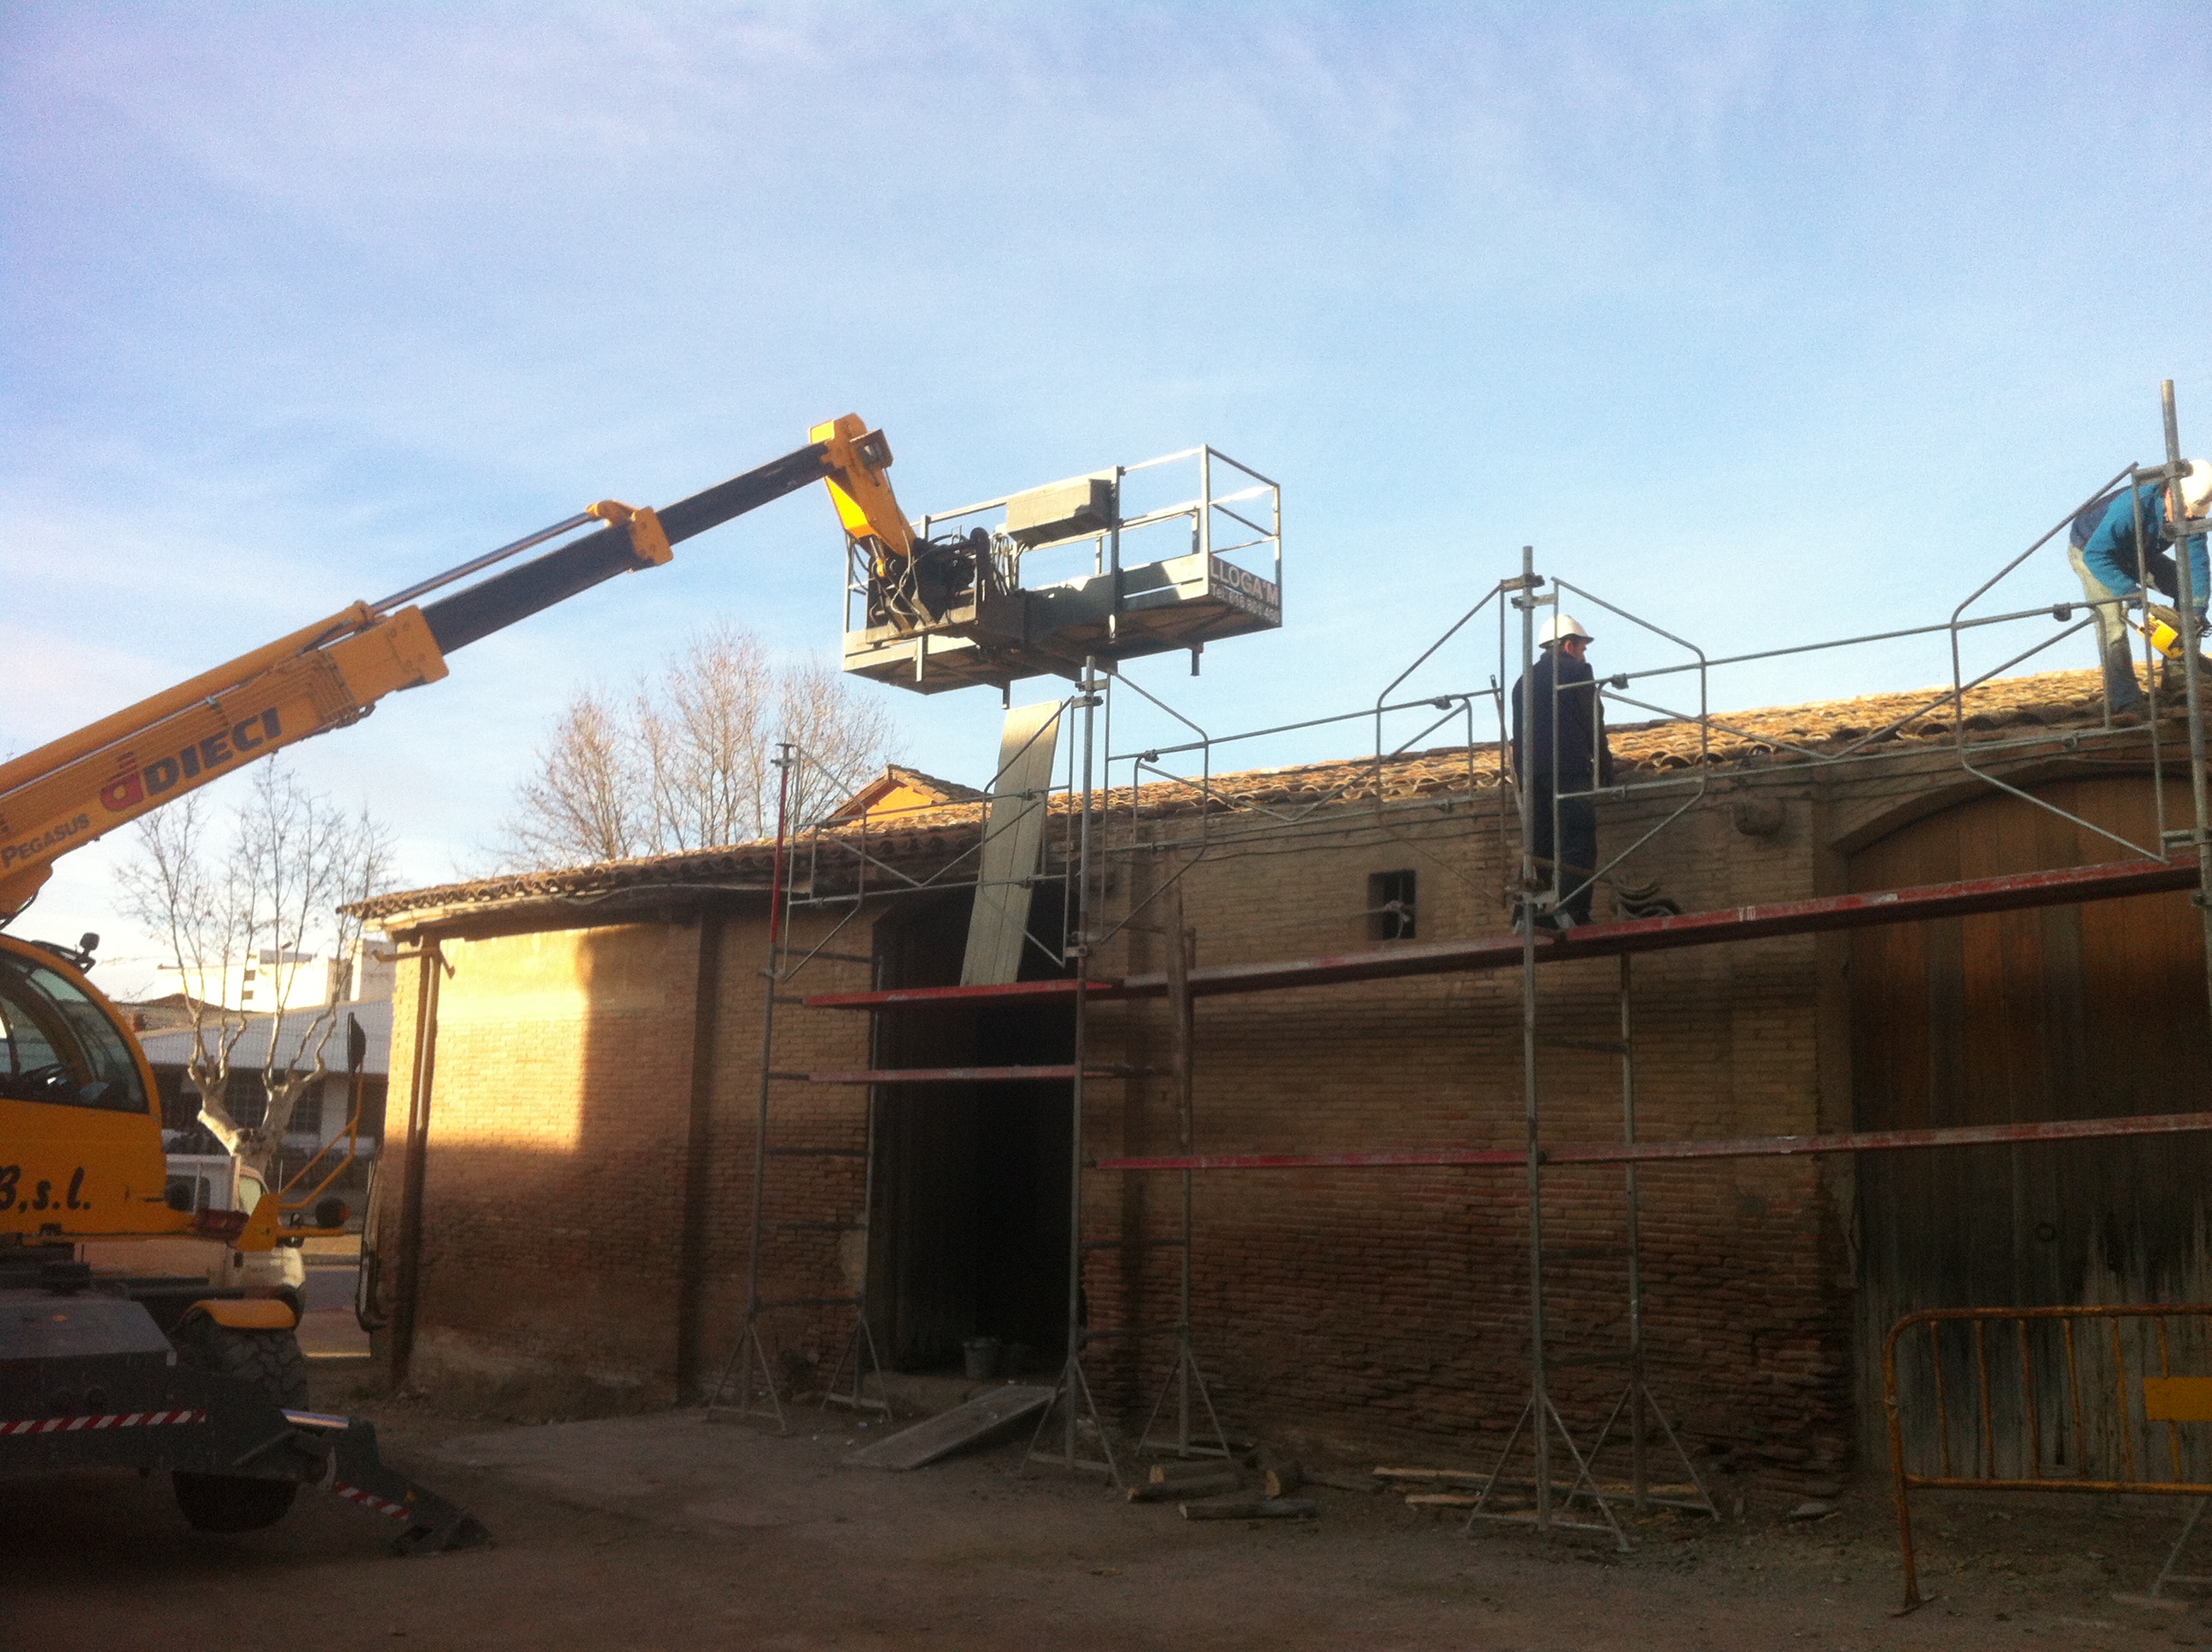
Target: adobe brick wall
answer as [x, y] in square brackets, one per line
[556, 1176]
[1367, 1310]
[1379, 1309]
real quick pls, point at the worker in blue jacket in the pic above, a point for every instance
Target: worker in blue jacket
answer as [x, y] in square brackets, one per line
[2113, 565]
[1564, 750]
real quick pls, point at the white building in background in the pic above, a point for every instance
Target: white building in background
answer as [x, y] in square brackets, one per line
[370, 972]
[271, 979]
[262, 980]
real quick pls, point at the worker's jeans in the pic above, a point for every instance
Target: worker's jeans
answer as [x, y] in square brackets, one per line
[2114, 649]
[2104, 601]
[1576, 846]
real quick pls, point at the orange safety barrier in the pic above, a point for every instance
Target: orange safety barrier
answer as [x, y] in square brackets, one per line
[1974, 1404]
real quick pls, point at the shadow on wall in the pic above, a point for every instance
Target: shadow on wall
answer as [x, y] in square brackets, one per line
[553, 1186]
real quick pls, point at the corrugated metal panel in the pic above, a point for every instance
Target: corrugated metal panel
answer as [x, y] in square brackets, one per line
[1013, 845]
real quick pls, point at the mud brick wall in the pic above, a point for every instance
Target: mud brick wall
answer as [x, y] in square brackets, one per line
[1369, 1309]
[801, 1256]
[559, 1183]
[554, 1173]
[590, 1182]
[1364, 1310]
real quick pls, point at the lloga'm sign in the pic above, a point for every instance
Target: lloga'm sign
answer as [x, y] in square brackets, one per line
[127, 791]
[1242, 589]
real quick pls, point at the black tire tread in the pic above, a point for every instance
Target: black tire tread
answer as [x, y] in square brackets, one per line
[272, 1362]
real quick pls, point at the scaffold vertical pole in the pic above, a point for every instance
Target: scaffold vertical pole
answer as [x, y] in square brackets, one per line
[1185, 1038]
[2192, 628]
[1184, 1379]
[1539, 1395]
[1639, 1473]
[1642, 1406]
[1073, 1391]
[752, 1351]
[1075, 1314]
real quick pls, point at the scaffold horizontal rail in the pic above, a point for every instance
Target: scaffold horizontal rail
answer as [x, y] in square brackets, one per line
[1058, 990]
[964, 1075]
[1966, 897]
[1646, 1152]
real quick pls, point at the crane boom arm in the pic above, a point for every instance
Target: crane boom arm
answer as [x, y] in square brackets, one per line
[72, 791]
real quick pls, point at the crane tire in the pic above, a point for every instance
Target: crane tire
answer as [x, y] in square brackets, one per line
[272, 1362]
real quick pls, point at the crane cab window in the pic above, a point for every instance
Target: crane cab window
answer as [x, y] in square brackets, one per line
[57, 1046]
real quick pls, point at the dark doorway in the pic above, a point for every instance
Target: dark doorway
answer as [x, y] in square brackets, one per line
[970, 1223]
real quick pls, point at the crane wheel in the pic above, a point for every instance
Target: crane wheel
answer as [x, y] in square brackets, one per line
[272, 1362]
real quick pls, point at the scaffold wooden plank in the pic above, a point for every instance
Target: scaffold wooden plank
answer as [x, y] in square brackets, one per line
[1059, 991]
[1645, 1152]
[961, 1075]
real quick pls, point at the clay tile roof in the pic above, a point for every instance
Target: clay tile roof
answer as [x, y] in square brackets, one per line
[942, 791]
[897, 777]
[931, 835]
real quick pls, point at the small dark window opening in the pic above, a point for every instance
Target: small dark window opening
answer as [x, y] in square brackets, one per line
[1390, 906]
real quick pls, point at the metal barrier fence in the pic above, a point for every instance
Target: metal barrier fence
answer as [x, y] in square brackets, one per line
[1970, 1393]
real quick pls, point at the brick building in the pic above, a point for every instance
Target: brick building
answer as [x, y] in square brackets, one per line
[580, 1054]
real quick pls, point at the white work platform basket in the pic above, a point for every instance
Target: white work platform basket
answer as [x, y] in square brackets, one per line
[1034, 583]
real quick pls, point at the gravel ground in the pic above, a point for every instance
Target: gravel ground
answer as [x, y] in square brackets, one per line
[665, 1532]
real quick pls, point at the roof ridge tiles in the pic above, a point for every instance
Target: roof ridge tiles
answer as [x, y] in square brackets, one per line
[1885, 718]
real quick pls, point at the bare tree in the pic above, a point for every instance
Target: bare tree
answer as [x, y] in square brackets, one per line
[704, 735]
[840, 744]
[253, 899]
[583, 802]
[692, 765]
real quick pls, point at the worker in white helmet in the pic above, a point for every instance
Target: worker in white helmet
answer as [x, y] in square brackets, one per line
[1559, 750]
[2114, 567]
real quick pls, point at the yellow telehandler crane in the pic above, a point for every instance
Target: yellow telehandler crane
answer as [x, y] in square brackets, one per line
[107, 1368]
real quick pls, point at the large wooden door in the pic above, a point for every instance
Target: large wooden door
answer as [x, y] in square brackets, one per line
[2068, 1012]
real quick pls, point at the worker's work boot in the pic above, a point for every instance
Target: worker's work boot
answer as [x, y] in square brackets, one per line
[2124, 696]
[2173, 679]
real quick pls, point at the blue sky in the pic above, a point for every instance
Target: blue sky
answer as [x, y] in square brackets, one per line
[1770, 321]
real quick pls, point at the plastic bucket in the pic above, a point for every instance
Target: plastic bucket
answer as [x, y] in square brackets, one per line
[980, 1355]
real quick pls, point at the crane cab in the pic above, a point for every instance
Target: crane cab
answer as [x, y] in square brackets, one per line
[80, 1121]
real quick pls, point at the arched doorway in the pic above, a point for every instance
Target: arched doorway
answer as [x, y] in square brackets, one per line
[2092, 1011]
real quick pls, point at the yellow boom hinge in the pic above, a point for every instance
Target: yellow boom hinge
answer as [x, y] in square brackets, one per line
[866, 506]
[648, 541]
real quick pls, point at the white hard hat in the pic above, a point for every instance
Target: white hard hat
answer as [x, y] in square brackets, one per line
[2197, 487]
[1560, 625]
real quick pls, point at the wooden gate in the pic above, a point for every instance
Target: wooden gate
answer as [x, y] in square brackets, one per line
[2072, 1011]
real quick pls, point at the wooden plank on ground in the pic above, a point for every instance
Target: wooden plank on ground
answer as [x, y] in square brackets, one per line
[1252, 1509]
[949, 1431]
[1194, 1486]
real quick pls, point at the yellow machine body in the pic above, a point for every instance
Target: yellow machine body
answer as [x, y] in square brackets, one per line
[74, 1168]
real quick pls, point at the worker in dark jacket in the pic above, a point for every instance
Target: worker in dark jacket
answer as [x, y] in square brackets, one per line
[1560, 746]
[2113, 565]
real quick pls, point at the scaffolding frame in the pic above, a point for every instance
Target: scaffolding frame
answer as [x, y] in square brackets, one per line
[1222, 819]
[750, 1361]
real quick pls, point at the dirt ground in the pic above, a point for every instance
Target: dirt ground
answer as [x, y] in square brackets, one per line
[666, 1532]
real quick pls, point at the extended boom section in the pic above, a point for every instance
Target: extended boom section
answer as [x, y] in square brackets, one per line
[74, 789]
